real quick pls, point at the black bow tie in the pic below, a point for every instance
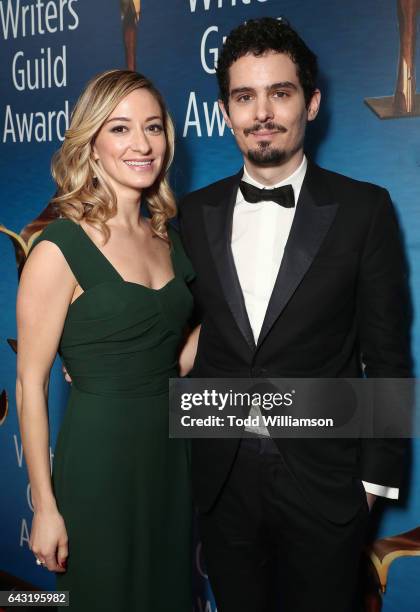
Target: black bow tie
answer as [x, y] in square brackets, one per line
[280, 195]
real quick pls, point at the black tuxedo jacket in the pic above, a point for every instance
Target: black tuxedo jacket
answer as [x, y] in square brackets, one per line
[340, 300]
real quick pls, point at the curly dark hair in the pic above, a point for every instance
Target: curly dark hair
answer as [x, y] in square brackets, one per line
[258, 36]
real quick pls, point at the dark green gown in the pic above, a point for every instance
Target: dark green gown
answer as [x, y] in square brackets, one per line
[122, 486]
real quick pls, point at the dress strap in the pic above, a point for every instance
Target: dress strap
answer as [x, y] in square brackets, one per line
[85, 260]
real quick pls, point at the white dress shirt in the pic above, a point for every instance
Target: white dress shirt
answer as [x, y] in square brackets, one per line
[259, 235]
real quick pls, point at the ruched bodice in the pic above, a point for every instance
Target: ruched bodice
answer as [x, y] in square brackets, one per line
[111, 346]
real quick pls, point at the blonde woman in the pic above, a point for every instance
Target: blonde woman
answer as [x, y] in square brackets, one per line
[106, 286]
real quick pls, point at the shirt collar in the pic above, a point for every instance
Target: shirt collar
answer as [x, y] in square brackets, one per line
[295, 180]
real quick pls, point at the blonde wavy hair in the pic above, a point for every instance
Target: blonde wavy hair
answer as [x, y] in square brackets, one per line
[83, 192]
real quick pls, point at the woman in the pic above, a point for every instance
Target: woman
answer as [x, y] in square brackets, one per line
[107, 287]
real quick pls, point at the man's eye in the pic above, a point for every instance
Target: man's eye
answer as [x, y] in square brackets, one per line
[281, 94]
[119, 129]
[244, 98]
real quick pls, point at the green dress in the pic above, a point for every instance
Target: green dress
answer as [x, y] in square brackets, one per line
[122, 486]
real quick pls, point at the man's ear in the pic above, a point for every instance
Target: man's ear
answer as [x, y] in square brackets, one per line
[225, 114]
[314, 104]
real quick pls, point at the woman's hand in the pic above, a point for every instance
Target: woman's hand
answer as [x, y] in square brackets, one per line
[187, 355]
[371, 498]
[48, 540]
[67, 376]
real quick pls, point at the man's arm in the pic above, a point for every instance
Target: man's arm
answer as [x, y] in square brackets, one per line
[384, 334]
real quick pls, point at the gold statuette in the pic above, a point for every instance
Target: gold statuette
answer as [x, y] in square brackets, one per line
[405, 102]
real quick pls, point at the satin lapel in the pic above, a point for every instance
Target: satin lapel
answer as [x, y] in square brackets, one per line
[313, 218]
[218, 217]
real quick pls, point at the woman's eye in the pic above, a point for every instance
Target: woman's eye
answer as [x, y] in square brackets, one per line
[119, 129]
[156, 128]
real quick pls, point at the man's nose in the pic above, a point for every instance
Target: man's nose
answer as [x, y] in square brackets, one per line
[264, 109]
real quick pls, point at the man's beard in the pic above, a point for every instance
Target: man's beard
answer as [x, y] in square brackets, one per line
[265, 155]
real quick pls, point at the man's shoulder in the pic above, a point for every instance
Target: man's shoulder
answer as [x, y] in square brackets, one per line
[349, 187]
[209, 193]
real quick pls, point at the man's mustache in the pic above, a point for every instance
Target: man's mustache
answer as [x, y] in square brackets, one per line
[265, 126]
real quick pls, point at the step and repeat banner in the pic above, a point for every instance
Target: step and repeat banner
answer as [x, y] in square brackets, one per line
[50, 48]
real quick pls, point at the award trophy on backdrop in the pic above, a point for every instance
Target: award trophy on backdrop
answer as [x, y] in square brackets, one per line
[405, 102]
[130, 14]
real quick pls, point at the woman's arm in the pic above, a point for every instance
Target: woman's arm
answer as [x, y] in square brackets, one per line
[189, 350]
[45, 292]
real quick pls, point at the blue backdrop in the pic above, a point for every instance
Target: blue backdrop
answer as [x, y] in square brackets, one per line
[68, 42]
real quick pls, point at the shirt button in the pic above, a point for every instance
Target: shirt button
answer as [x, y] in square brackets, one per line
[257, 372]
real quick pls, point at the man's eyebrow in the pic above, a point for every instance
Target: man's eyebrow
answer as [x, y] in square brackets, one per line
[239, 90]
[283, 85]
[280, 85]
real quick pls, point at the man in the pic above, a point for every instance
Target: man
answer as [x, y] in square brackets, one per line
[300, 273]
